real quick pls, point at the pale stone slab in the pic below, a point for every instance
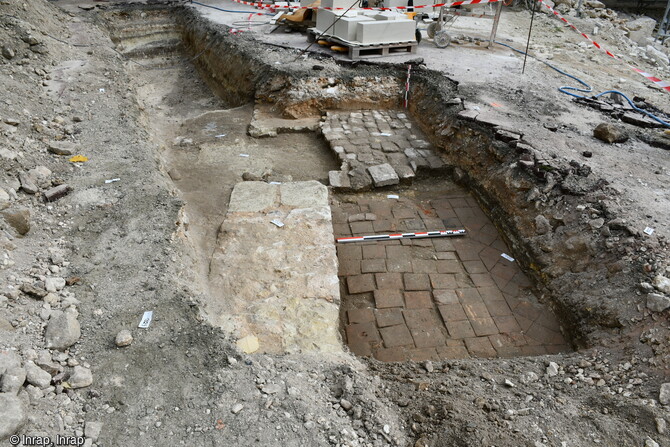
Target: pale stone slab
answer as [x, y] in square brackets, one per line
[252, 197]
[303, 194]
[278, 284]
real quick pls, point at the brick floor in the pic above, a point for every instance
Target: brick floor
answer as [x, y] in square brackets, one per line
[418, 300]
[397, 335]
[389, 298]
[373, 265]
[437, 298]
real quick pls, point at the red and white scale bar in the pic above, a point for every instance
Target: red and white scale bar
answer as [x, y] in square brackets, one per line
[389, 237]
[437, 5]
[663, 84]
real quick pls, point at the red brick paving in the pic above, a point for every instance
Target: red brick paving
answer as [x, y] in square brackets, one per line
[442, 298]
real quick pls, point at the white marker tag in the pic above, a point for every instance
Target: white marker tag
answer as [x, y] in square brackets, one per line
[508, 257]
[112, 180]
[393, 196]
[385, 134]
[277, 222]
[649, 231]
[275, 183]
[244, 155]
[146, 319]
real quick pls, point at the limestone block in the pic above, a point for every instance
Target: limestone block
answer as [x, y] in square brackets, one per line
[387, 31]
[325, 18]
[345, 28]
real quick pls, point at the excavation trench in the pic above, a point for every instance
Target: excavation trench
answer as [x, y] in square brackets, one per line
[264, 252]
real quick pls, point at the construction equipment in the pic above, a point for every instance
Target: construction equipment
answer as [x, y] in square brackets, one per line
[436, 30]
[300, 19]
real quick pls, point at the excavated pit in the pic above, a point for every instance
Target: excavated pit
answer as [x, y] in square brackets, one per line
[496, 292]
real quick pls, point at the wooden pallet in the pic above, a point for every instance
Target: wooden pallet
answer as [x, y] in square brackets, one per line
[358, 51]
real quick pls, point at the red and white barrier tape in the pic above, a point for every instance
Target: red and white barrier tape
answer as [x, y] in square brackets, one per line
[389, 237]
[261, 5]
[663, 84]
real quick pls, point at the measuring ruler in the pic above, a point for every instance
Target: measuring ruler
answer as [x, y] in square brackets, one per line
[388, 237]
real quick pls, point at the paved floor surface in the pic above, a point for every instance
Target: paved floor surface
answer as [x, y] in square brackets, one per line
[438, 298]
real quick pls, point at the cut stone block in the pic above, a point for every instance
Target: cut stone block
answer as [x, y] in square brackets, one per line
[383, 175]
[326, 18]
[345, 28]
[386, 31]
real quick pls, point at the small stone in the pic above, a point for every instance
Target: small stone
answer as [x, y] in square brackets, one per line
[661, 426]
[4, 199]
[664, 394]
[92, 430]
[28, 183]
[57, 192]
[552, 369]
[12, 380]
[650, 442]
[345, 404]
[271, 388]
[609, 133]
[62, 330]
[61, 148]
[596, 224]
[12, 415]
[124, 338]
[237, 408]
[509, 383]
[34, 291]
[19, 220]
[662, 283]
[657, 302]
[248, 344]
[542, 225]
[54, 284]
[80, 378]
[428, 366]
[8, 53]
[646, 287]
[37, 376]
[383, 175]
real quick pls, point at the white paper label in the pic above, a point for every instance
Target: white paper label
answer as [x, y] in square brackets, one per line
[508, 257]
[277, 222]
[649, 231]
[146, 319]
[393, 196]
